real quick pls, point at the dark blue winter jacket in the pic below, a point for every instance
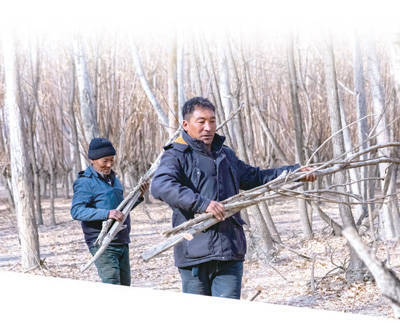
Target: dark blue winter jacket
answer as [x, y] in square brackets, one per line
[189, 177]
[93, 199]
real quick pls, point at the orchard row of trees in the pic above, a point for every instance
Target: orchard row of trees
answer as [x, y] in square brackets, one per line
[293, 94]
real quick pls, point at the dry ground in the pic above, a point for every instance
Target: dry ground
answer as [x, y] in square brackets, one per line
[285, 281]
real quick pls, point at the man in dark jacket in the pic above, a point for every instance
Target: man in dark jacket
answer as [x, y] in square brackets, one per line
[97, 194]
[195, 173]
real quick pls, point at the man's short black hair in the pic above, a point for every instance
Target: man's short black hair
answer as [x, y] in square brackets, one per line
[190, 105]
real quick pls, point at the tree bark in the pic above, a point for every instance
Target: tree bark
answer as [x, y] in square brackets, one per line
[180, 75]
[236, 130]
[162, 117]
[353, 172]
[225, 92]
[386, 279]
[298, 127]
[22, 188]
[87, 104]
[362, 129]
[53, 183]
[378, 100]
[35, 77]
[356, 270]
[270, 136]
[77, 166]
[173, 118]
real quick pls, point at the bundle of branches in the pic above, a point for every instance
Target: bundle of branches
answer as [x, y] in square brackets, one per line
[283, 185]
[111, 227]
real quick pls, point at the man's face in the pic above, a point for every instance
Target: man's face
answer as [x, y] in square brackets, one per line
[201, 125]
[104, 164]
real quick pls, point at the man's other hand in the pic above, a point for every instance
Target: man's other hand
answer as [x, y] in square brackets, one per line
[309, 177]
[116, 215]
[217, 209]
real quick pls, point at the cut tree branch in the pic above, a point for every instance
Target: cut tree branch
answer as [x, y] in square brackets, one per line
[251, 197]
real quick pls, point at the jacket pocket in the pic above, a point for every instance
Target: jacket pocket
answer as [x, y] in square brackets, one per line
[199, 246]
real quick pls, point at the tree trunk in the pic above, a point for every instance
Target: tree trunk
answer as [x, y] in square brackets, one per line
[271, 137]
[386, 223]
[180, 75]
[386, 279]
[247, 111]
[225, 93]
[22, 188]
[216, 95]
[267, 247]
[53, 184]
[35, 76]
[162, 117]
[353, 172]
[393, 200]
[35, 171]
[362, 129]
[395, 70]
[356, 270]
[298, 127]
[266, 214]
[77, 165]
[87, 104]
[38, 201]
[173, 118]
[395, 60]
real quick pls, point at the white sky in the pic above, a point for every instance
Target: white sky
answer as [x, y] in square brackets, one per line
[64, 16]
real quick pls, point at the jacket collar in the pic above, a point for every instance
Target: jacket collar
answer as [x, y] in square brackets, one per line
[90, 171]
[198, 145]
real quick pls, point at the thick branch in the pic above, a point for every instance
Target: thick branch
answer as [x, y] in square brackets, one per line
[386, 280]
[251, 197]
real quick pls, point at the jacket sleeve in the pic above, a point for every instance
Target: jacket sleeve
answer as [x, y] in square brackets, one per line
[250, 177]
[168, 185]
[81, 203]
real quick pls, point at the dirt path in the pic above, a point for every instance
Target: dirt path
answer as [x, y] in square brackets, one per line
[286, 281]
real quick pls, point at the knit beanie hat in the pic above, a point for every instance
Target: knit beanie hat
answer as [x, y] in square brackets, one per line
[100, 147]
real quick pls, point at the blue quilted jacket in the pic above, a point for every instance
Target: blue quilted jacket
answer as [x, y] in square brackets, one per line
[93, 199]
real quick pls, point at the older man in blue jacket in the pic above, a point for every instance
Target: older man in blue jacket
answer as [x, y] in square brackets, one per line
[195, 173]
[97, 194]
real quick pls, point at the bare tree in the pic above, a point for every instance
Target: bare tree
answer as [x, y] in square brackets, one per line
[298, 127]
[22, 188]
[382, 135]
[225, 91]
[386, 279]
[87, 104]
[31, 116]
[361, 107]
[173, 118]
[74, 141]
[180, 73]
[356, 270]
[146, 87]
[235, 128]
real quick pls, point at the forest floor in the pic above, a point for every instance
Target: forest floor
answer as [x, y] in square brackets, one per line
[287, 280]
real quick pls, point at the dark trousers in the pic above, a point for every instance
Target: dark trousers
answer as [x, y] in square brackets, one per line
[113, 265]
[213, 278]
